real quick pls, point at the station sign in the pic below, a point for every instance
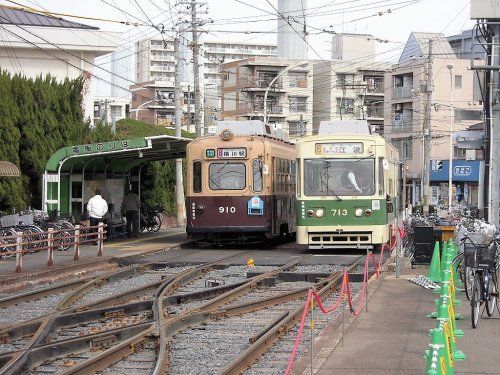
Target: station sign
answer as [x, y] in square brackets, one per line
[339, 148]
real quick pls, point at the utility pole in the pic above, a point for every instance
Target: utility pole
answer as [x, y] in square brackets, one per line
[179, 184]
[427, 133]
[494, 114]
[196, 69]
[189, 109]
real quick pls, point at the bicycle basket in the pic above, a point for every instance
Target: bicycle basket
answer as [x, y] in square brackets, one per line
[9, 220]
[479, 256]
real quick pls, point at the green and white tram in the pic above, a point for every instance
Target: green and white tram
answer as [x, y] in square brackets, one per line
[347, 188]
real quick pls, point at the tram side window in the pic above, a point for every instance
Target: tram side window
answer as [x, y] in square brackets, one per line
[257, 175]
[197, 177]
[381, 182]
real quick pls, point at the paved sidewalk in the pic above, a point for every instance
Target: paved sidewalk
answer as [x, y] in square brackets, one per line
[147, 242]
[392, 336]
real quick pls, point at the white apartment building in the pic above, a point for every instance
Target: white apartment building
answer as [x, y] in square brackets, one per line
[406, 89]
[61, 53]
[155, 58]
[108, 109]
[349, 91]
[289, 101]
[351, 85]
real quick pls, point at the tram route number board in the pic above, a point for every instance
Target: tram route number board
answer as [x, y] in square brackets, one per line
[344, 148]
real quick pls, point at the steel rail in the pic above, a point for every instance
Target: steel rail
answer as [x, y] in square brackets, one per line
[245, 359]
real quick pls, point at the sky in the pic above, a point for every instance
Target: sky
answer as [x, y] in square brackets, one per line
[389, 20]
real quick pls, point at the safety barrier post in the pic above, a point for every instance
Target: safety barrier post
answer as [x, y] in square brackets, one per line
[312, 332]
[50, 250]
[19, 252]
[435, 266]
[436, 355]
[368, 252]
[100, 239]
[77, 243]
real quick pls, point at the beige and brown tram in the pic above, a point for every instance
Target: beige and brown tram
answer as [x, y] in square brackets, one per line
[240, 184]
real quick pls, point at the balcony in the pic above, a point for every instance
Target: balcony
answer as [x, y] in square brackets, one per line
[374, 112]
[402, 125]
[403, 92]
[375, 88]
[273, 108]
[259, 84]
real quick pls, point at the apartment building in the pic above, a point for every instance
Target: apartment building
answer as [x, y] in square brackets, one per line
[348, 91]
[288, 84]
[108, 109]
[155, 58]
[453, 109]
[153, 102]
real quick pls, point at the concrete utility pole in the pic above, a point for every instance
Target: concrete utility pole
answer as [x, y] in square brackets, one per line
[427, 133]
[196, 70]
[494, 196]
[179, 184]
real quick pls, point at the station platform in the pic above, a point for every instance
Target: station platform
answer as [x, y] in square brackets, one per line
[392, 336]
[147, 242]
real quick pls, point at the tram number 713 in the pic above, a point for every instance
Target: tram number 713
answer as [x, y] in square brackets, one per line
[339, 212]
[227, 210]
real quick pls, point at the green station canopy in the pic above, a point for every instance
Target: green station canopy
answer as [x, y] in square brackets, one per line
[118, 156]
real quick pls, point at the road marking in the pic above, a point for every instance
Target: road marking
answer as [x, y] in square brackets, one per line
[124, 244]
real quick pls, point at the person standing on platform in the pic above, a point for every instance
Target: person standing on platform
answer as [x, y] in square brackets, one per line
[131, 206]
[97, 207]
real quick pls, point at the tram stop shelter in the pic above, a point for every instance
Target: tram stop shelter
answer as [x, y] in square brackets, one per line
[72, 174]
[8, 169]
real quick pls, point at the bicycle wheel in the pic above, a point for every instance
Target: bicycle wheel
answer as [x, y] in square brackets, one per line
[155, 223]
[468, 281]
[492, 294]
[475, 301]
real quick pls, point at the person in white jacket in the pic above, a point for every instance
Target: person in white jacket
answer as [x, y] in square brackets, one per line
[97, 207]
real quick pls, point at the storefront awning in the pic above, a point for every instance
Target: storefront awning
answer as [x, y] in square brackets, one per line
[8, 169]
[116, 157]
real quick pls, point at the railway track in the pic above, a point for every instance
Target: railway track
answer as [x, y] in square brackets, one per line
[163, 318]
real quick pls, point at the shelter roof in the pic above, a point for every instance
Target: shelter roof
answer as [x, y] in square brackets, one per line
[119, 156]
[7, 169]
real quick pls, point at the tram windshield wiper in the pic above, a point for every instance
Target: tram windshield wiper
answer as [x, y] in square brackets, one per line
[330, 191]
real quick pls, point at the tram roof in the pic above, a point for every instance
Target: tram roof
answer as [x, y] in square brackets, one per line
[117, 156]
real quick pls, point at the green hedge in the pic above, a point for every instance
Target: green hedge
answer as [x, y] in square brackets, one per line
[39, 116]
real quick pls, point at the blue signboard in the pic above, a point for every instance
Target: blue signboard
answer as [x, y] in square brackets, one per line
[463, 170]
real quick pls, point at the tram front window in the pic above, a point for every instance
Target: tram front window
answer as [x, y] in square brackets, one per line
[227, 176]
[331, 177]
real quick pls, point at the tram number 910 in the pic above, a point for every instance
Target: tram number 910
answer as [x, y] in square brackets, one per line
[339, 212]
[227, 210]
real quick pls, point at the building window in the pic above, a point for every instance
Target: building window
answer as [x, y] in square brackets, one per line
[297, 128]
[298, 103]
[116, 111]
[404, 146]
[345, 105]
[458, 82]
[257, 175]
[298, 79]
[468, 115]
[344, 79]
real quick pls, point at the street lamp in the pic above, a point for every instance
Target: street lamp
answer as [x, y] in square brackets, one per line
[274, 80]
[140, 107]
[450, 166]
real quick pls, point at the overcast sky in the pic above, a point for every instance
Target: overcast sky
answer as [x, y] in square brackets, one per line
[397, 19]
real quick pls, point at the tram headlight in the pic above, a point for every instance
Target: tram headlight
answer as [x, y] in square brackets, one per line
[358, 212]
[368, 212]
[310, 213]
[320, 212]
[200, 208]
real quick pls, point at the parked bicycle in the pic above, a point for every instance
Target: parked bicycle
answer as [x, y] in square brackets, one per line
[482, 262]
[151, 218]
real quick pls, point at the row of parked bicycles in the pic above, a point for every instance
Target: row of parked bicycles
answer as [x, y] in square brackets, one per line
[34, 225]
[478, 266]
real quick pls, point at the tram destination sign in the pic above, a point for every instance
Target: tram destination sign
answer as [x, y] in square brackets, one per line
[339, 148]
[232, 153]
